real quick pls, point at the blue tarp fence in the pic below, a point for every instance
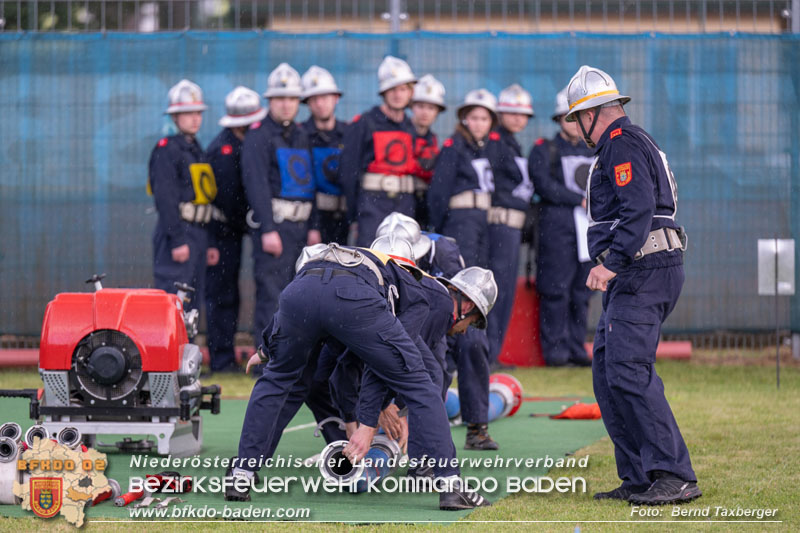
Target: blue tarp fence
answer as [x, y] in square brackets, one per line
[79, 115]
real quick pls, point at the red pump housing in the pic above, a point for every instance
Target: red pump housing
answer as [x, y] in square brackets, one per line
[152, 318]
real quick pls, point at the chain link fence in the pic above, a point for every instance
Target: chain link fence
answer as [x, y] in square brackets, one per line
[382, 16]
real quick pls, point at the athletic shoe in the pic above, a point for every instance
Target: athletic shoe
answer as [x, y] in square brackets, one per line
[666, 489]
[457, 500]
[622, 492]
[234, 495]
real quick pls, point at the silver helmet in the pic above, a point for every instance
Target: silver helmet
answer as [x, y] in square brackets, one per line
[185, 96]
[242, 108]
[562, 105]
[591, 87]
[429, 90]
[515, 99]
[406, 228]
[394, 72]
[316, 80]
[307, 253]
[283, 81]
[398, 249]
[478, 285]
[480, 98]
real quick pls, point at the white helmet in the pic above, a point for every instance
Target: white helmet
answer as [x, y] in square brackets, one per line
[515, 99]
[396, 247]
[562, 105]
[591, 87]
[307, 253]
[407, 228]
[478, 285]
[430, 90]
[242, 108]
[394, 72]
[479, 97]
[185, 96]
[316, 81]
[283, 81]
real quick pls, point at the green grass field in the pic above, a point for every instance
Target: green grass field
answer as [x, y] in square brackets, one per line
[743, 434]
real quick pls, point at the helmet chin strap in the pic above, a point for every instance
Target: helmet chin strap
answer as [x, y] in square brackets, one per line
[587, 135]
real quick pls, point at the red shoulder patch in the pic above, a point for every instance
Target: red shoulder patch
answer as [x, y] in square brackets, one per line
[355, 118]
[163, 142]
[226, 149]
[623, 174]
[494, 136]
[540, 141]
[448, 142]
[255, 125]
[616, 133]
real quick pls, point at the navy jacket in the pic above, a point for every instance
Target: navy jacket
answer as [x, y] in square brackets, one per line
[461, 166]
[172, 162]
[512, 186]
[224, 155]
[326, 149]
[374, 143]
[276, 163]
[443, 259]
[631, 192]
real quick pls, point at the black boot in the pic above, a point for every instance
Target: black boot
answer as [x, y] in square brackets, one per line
[666, 489]
[478, 438]
[459, 498]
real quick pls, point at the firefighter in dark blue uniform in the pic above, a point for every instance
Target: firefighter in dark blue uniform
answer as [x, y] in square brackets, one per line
[426, 104]
[460, 194]
[243, 107]
[278, 182]
[510, 202]
[633, 236]
[354, 292]
[559, 169]
[378, 156]
[459, 199]
[183, 187]
[326, 135]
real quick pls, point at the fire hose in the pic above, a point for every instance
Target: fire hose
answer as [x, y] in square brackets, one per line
[379, 462]
[505, 398]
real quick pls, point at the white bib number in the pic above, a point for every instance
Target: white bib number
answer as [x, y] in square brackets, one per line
[485, 176]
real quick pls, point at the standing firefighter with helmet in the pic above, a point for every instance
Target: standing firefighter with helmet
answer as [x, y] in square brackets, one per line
[426, 104]
[559, 168]
[243, 107]
[326, 135]
[183, 187]
[638, 248]
[378, 156]
[276, 171]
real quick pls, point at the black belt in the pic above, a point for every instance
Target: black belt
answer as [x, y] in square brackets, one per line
[334, 272]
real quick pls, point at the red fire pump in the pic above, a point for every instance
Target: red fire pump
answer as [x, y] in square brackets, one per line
[119, 362]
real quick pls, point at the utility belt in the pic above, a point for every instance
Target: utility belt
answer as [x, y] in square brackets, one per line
[513, 218]
[420, 185]
[348, 258]
[200, 213]
[290, 210]
[659, 240]
[471, 200]
[331, 202]
[391, 184]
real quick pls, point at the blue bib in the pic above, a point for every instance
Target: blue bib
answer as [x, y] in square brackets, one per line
[326, 167]
[295, 168]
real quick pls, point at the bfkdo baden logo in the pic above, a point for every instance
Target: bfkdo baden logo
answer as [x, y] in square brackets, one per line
[46, 495]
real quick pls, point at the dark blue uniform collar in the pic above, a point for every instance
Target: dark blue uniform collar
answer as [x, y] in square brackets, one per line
[184, 144]
[278, 125]
[380, 115]
[509, 139]
[620, 122]
[311, 127]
